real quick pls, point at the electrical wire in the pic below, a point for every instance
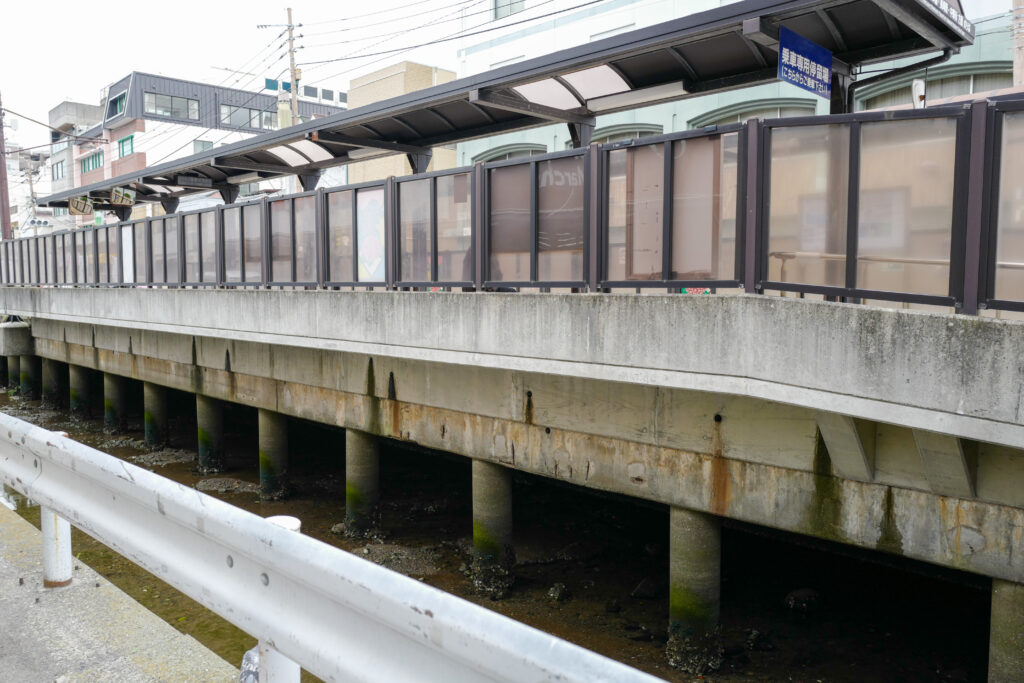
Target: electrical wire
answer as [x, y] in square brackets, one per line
[368, 14]
[390, 21]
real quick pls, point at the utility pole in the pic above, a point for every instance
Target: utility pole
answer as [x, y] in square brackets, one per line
[5, 199]
[295, 77]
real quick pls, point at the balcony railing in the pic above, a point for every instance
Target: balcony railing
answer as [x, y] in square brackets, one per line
[917, 206]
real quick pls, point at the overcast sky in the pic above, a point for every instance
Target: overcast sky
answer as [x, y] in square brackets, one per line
[52, 50]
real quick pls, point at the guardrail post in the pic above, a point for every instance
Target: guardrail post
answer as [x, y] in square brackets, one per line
[56, 548]
[274, 666]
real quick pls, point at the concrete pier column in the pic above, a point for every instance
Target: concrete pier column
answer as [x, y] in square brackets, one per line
[78, 390]
[493, 555]
[115, 402]
[273, 443]
[1006, 633]
[362, 482]
[56, 548]
[31, 380]
[154, 415]
[14, 372]
[53, 382]
[210, 432]
[695, 550]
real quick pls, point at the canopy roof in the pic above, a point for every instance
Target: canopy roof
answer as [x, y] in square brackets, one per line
[728, 47]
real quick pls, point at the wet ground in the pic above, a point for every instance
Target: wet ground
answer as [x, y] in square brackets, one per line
[592, 568]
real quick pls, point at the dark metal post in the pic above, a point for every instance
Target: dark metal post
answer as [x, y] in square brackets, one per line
[975, 207]
[752, 218]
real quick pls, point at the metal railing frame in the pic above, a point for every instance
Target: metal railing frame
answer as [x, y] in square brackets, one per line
[973, 233]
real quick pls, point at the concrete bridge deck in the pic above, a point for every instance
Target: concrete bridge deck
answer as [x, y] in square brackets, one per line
[87, 632]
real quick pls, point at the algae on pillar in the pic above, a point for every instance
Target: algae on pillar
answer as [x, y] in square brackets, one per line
[154, 405]
[53, 382]
[1006, 633]
[210, 432]
[273, 445]
[695, 551]
[78, 390]
[115, 402]
[362, 482]
[493, 554]
[14, 371]
[31, 369]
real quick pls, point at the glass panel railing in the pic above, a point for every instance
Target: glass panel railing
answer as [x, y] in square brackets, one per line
[340, 215]
[1009, 267]
[252, 243]
[128, 254]
[415, 244]
[171, 249]
[809, 170]
[102, 258]
[140, 231]
[560, 219]
[305, 239]
[158, 264]
[370, 235]
[191, 235]
[113, 255]
[281, 241]
[636, 208]
[232, 220]
[208, 245]
[509, 238]
[454, 207]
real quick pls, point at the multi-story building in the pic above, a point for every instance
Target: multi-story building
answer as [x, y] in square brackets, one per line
[144, 119]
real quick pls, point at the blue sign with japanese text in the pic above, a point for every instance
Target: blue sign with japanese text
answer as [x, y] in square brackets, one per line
[804, 64]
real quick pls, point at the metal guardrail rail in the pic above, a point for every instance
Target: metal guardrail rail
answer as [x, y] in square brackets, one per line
[340, 617]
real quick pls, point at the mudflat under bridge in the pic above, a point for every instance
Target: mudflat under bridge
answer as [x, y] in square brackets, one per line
[895, 430]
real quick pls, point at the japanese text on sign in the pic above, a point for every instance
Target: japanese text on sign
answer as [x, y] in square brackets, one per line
[804, 64]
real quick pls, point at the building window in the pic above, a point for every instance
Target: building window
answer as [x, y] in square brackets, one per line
[513, 151]
[57, 171]
[942, 88]
[243, 117]
[247, 189]
[758, 109]
[504, 8]
[115, 105]
[92, 162]
[168, 105]
[622, 132]
[201, 146]
[58, 211]
[125, 146]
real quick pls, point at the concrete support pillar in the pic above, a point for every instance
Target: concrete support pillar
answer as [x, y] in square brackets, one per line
[210, 431]
[154, 407]
[53, 376]
[79, 390]
[1006, 634]
[695, 551]
[273, 443]
[362, 482]
[493, 554]
[14, 371]
[56, 548]
[115, 402]
[31, 371]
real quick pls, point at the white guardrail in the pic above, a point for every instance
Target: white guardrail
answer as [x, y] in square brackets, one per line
[340, 617]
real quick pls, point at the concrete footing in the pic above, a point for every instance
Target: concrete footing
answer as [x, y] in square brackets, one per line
[31, 376]
[1006, 634]
[154, 402]
[695, 550]
[493, 554]
[14, 371]
[210, 433]
[362, 482]
[115, 401]
[54, 382]
[273, 445]
[79, 391]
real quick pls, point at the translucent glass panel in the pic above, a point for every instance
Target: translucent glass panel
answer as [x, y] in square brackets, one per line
[560, 225]
[636, 213]
[509, 243]
[191, 223]
[809, 179]
[370, 234]
[33, 268]
[704, 177]
[102, 258]
[415, 247]
[61, 261]
[232, 244]
[305, 239]
[128, 254]
[171, 248]
[252, 256]
[113, 254]
[281, 241]
[140, 252]
[906, 205]
[208, 242]
[1010, 218]
[90, 256]
[549, 93]
[454, 229]
[17, 263]
[156, 239]
[339, 237]
[596, 81]
[79, 257]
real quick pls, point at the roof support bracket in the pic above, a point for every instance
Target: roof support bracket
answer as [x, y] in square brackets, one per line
[123, 212]
[309, 180]
[419, 162]
[496, 100]
[370, 143]
[170, 204]
[581, 134]
[229, 193]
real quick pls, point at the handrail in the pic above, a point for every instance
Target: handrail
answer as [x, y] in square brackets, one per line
[338, 616]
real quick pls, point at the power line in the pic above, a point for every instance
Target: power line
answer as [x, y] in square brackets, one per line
[390, 21]
[454, 16]
[369, 14]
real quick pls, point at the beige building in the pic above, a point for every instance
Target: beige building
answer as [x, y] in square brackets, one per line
[393, 81]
